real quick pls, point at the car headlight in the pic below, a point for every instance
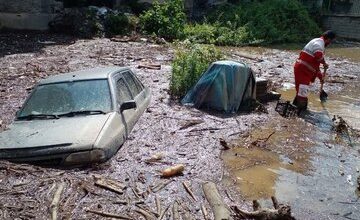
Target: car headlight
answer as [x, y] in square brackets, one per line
[86, 157]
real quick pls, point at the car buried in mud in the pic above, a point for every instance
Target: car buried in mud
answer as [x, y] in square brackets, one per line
[76, 118]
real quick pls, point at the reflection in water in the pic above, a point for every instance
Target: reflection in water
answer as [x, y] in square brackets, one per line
[302, 163]
[345, 103]
[254, 171]
[256, 167]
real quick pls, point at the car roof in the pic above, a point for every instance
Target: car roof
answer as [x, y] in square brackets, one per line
[86, 74]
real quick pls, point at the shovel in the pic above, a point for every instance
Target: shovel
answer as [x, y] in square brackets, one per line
[323, 94]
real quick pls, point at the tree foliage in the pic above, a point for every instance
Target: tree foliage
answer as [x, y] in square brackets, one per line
[165, 19]
[191, 60]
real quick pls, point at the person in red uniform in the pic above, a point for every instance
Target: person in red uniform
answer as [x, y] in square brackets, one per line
[307, 67]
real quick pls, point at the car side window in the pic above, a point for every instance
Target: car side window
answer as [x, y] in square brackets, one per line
[134, 84]
[123, 91]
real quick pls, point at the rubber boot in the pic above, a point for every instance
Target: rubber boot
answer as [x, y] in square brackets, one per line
[301, 105]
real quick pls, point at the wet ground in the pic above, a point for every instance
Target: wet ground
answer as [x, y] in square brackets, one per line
[295, 158]
[304, 161]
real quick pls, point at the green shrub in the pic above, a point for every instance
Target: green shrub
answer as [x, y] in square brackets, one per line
[200, 33]
[117, 24]
[165, 20]
[191, 60]
[87, 23]
[271, 21]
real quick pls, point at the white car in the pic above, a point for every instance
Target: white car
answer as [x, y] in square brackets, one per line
[76, 118]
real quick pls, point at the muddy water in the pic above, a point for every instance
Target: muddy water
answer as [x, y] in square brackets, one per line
[303, 162]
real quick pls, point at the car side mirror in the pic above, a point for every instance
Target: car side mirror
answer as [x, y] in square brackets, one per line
[127, 105]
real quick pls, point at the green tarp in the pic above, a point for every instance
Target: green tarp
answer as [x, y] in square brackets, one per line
[226, 86]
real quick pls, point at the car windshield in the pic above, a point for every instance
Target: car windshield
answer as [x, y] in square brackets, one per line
[65, 97]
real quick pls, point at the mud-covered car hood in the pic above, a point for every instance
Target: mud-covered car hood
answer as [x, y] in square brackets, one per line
[78, 131]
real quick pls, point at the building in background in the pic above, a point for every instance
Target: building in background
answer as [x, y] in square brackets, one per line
[28, 14]
[342, 16]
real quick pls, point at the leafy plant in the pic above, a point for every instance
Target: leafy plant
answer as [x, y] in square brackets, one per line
[117, 24]
[165, 19]
[271, 21]
[191, 60]
[200, 33]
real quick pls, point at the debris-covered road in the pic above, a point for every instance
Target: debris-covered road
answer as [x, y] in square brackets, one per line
[180, 135]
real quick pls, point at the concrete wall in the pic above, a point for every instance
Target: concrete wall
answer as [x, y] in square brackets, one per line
[345, 26]
[28, 14]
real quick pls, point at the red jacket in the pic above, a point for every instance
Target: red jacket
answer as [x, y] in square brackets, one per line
[311, 57]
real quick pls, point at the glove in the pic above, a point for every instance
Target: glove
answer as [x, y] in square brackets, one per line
[326, 66]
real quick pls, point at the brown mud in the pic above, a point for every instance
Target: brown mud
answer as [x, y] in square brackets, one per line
[27, 191]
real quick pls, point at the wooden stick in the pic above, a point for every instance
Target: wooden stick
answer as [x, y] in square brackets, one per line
[204, 212]
[110, 215]
[158, 205]
[229, 196]
[275, 202]
[163, 213]
[161, 186]
[176, 215]
[189, 191]
[256, 205]
[221, 212]
[134, 191]
[55, 202]
[121, 202]
[110, 185]
[150, 66]
[144, 213]
[248, 56]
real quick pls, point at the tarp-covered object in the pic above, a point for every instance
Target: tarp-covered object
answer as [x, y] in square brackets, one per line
[226, 86]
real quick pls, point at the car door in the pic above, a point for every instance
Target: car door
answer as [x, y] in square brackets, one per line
[123, 94]
[138, 92]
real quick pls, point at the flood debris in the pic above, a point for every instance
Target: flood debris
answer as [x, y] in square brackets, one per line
[155, 158]
[111, 185]
[150, 66]
[173, 171]
[160, 186]
[204, 212]
[35, 190]
[54, 207]
[220, 210]
[262, 141]
[286, 109]
[163, 213]
[358, 183]
[224, 144]
[109, 215]
[147, 215]
[176, 215]
[280, 212]
[188, 190]
[190, 123]
[341, 127]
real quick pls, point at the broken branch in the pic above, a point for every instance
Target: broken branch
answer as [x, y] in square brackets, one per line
[111, 185]
[187, 188]
[107, 214]
[204, 212]
[212, 195]
[55, 202]
[163, 213]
